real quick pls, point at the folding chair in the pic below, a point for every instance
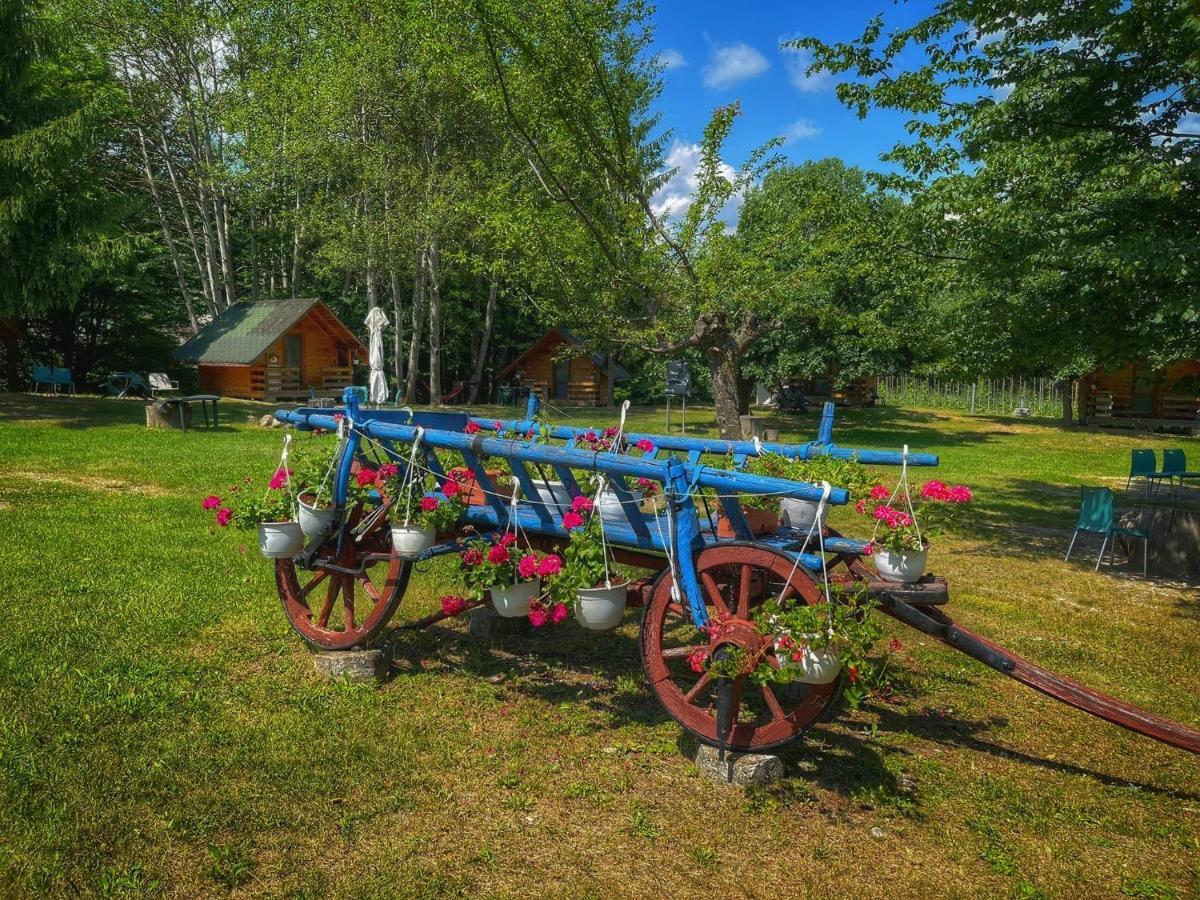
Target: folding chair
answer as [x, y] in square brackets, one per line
[1097, 516]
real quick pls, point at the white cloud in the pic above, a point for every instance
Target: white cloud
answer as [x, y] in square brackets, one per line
[729, 65]
[671, 59]
[797, 62]
[674, 198]
[800, 130]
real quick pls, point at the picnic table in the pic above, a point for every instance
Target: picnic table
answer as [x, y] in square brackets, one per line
[184, 403]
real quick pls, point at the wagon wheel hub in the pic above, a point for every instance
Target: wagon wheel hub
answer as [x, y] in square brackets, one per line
[740, 633]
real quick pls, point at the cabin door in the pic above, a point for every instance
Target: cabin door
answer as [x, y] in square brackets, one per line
[1141, 401]
[292, 350]
[562, 379]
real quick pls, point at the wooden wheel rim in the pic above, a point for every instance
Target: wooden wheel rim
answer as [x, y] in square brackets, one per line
[365, 603]
[683, 693]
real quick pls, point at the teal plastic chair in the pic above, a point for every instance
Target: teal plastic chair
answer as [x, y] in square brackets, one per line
[1143, 465]
[1098, 516]
[1175, 466]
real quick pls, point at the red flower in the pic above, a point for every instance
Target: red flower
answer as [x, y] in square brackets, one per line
[499, 555]
[224, 514]
[528, 566]
[590, 437]
[508, 539]
[645, 446]
[451, 488]
[472, 557]
[498, 426]
[582, 504]
[280, 478]
[894, 645]
[452, 605]
[558, 613]
[960, 493]
[429, 504]
[550, 565]
[880, 492]
[388, 470]
[610, 431]
[365, 476]
[472, 428]
[697, 659]
[212, 501]
[572, 519]
[852, 671]
[861, 507]
[538, 617]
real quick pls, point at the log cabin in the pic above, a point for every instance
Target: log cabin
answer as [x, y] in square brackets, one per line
[282, 349]
[1138, 395]
[559, 376]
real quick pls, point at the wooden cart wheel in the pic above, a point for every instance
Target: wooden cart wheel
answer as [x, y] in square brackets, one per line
[734, 579]
[347, 598]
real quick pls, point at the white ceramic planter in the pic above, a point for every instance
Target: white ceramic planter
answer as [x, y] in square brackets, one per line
[816, 666]
[601, 608]
[280, 540]
[314, 520]
[800, 513]
[904, 567]
[411, 541]
[554, 494]
[512, 601]
[610, 507]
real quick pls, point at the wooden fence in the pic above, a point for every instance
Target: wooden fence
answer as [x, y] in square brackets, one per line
[992, 396]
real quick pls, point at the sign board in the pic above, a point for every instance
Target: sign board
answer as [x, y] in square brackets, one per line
[679, 378]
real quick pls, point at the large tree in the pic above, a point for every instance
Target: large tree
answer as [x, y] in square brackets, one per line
[1052, 174]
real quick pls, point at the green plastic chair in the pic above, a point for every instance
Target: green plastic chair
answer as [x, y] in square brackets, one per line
[1175, 466]
[1143, 465]
[1098, 516]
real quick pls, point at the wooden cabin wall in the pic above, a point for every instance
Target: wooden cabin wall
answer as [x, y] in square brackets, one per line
[318, 351]
[227, 381]
[1120, 383]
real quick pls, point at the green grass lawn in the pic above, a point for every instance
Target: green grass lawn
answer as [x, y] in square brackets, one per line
[162, 731]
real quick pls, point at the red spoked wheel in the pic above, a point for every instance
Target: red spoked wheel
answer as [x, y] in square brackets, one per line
[734, 579]
[347, 598]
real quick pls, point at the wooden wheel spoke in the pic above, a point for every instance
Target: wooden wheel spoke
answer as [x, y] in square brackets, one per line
[699, 686]
[677, 609]
[744, 582]
[307, 589]
[772, 702]
[789, 591]
[348, 602]
[331, 593]
[369, 587]
[713, 592]
[681, 652]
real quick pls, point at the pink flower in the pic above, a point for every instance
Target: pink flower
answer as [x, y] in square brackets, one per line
[797, 656]
[429, 504]
[472, 557]
[451, 488]
[365, 476]
[582, 504]
[697, 659]
[861, 507]
[645, 446]
[933, 490]
[610, 431]
[538, 617]
[528, 566]
[558, 613]
[508, 539]
[280, 478]
[550, 565]
[903, 519]
[388, 470]
[472, 428]
[590, 436]
[883, 511]
[224, 515]
[498, 426]
[499, 555]
[212, 501]
[572, 519]
[452, 605]
[960, 493]
[880, 492]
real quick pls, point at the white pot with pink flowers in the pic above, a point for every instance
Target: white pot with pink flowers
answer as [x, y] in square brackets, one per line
[903, 528]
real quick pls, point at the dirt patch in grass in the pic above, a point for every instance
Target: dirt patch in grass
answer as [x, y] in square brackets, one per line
[94, 483]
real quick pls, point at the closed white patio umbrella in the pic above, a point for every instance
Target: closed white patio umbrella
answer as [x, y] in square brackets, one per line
[377, 389]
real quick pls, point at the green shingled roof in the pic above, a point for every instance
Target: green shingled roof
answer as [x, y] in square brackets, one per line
[243, 332]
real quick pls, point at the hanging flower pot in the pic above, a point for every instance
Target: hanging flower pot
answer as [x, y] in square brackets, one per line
[814, 666]
[315, 520]
[512, 601]
[554, 494]
[475, 495]
[601, 608]
[611, 509]
[411, 541]
[761, 521]
[799, 514]
[280, 540]
[903, 566]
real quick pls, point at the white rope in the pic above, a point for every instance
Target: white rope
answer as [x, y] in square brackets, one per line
[902, 484]
[601, 483]
[410, 475]
[616, 444]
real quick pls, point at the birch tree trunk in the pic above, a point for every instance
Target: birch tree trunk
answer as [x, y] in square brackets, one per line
[296, 238]
[432, 264]
[398, 336]
[418, 320]
[481, 354]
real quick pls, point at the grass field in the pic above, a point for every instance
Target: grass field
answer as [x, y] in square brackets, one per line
[162, 731]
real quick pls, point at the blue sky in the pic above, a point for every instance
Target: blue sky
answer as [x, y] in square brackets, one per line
[719, 53]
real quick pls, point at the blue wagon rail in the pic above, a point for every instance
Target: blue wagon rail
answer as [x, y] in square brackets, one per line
[693, 573]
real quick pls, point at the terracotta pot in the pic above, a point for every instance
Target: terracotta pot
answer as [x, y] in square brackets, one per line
[761, 521]
[475, 494]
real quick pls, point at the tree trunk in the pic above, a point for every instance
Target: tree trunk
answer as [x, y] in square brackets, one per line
[723, 367]
[1068, 386]
[489, 316]
[372, 286]
[745, 394]
[432, 262]
[296, 237]
[398, 335]
[418, 320]
[612, 378]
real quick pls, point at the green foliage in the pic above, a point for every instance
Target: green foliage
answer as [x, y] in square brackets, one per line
[844, 473]
[583, 561]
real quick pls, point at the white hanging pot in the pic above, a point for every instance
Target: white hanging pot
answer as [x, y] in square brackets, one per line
[904, 567]
[411, 541]
[554, 494]
[601, 608]
[816, 666]
[800, 513]
[610, 507]
[512, 601]
[314, 520]
[280, 540]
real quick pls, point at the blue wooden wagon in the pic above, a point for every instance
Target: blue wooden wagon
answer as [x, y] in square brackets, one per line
[342, 590]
